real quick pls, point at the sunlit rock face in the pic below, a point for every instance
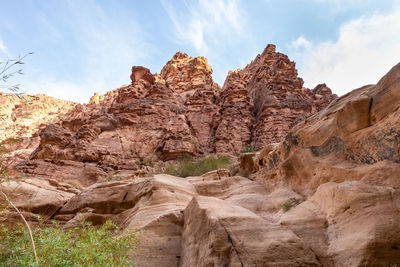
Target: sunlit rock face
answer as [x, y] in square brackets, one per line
[322, 192]
[21, 119]
[276, 99]
[180, 111]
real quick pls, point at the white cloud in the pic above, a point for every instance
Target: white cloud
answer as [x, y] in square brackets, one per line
[3, 48]
[301, 42]
[365, 50]
[205, 22]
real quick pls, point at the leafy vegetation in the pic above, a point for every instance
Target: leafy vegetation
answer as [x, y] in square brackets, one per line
[85, 245]
[248, 149]
[187, 166]
[145, 162]
[290, 203]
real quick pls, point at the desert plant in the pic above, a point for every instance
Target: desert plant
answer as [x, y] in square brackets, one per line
[6, 72]
[145, 162]
[290, 203]
[84, 245]
[187, 166]
[248, 149]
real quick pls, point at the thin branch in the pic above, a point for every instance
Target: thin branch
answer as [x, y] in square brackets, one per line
[26, 223]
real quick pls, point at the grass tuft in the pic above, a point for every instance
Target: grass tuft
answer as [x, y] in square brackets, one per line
[187, 166]
[248, 149]
[290, 203]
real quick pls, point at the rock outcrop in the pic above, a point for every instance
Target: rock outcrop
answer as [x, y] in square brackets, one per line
[21, 119]
[323, 191]
[200, 221]
[179, 112]
[278, 100]
[326, 195]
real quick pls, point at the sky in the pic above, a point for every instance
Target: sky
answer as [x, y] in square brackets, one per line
[86, 46]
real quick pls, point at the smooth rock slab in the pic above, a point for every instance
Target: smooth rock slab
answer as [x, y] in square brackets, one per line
[217, 233]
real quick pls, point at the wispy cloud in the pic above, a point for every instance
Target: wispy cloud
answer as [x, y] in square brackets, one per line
[205, 22]
[3, 48]
[301, 42]
[365, 50]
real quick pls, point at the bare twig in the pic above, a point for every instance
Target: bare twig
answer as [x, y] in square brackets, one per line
[26, 223]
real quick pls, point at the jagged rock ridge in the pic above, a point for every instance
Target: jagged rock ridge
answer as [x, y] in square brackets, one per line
[180, 111]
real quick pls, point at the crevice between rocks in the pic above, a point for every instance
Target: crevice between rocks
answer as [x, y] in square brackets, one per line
[233, 245]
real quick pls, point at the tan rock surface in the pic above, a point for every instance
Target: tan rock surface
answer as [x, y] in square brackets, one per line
[349, 224]
[20, 121]
[22, 117]
[341, 143]
[217, 233]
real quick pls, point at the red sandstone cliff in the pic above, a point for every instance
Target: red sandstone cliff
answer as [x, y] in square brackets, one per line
[326, 195]
[180, 112]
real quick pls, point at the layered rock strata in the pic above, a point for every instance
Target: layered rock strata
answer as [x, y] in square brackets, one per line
[180, 111]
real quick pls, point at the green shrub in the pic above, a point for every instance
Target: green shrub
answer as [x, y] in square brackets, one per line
[248, 149]
[189, 167]
[145, 162]
[80, 246]
[291, 202]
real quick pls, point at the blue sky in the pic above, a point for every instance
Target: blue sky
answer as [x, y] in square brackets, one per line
[81, 47]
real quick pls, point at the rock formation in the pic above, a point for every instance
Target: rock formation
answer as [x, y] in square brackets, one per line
[278, 100]
[323, 191]
[20, 121]
[180, 111]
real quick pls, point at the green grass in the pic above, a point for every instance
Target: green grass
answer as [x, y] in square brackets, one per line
[81, 246]
[290, 203]
[189, 167]
[145, 162]
[248, 149]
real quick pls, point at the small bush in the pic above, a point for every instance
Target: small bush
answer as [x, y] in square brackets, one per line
[189, 167]
[145, 162]
[80, 246]
[248, 149]
[291, 202]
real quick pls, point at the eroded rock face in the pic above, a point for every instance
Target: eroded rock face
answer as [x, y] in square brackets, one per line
[180, 112]
[22, 119]
[349, 224]
[217, 233]
[183, 73]
[214, 219]
[350, 138]
[326, 195]
[277, 99]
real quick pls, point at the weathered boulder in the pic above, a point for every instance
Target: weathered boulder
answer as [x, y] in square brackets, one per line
[349, 224]
[217, 233]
